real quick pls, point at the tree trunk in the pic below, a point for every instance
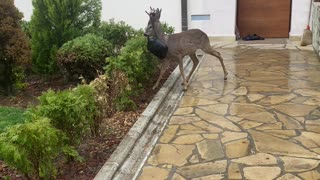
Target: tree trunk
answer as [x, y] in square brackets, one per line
[6, 79]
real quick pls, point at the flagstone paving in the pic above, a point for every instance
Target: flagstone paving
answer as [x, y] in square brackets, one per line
[262, 123]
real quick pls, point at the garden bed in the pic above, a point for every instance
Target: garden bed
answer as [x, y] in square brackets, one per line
[94, 150]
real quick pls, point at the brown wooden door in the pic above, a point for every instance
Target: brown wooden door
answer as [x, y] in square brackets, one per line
[266, 18]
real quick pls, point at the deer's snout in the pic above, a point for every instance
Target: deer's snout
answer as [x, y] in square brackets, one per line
[146, 33]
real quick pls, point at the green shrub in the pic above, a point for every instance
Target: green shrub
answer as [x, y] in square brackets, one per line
[116, 33]
[83, 56]
[71, 111]
[139, 66]
[136, 61]
[32, 148]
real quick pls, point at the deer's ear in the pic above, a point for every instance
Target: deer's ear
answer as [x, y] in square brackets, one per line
[160, 12]
[147, 13]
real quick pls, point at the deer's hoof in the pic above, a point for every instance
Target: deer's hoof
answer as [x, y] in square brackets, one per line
[225, 76]
[154, 87]
[185, 87]
[187, 82]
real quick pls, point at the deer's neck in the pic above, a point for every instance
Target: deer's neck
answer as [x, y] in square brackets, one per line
[160, 34]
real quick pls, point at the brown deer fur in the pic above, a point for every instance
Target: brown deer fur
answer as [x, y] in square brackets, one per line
[180, 45]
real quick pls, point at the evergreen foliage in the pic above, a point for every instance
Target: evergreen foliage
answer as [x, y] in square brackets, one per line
[32, 147]
[83, 56]
[25, 26]
[54, 22]
[14, 45]
[71, 111]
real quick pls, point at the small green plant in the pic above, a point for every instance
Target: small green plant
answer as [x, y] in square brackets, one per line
[71, 111]
[19, 78]
[124, 103]
[32, 148]
[83, 56]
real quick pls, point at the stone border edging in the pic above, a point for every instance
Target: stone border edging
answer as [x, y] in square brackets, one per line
[123, 150]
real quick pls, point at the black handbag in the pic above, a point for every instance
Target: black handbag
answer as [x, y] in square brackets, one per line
[157, 47]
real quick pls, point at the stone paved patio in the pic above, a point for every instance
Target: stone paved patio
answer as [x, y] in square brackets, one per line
[262, 123]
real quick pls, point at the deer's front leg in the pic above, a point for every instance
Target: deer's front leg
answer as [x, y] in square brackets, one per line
[184, 81]
[163, 69]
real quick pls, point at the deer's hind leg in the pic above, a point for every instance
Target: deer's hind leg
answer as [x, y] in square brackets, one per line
[195, 64]
[215, 53]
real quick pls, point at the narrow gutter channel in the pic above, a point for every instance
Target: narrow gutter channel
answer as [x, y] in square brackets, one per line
[128, 158]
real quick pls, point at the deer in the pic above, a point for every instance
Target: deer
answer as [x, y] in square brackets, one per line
[178, 45]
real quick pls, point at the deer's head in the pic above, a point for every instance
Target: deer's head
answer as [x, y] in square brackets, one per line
[154, 25]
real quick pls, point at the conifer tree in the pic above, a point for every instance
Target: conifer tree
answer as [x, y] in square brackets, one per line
[54, 22]
[14, 46]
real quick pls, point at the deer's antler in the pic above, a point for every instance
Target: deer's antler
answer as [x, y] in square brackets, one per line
[154, 14]
[158, 13]
[152, 9]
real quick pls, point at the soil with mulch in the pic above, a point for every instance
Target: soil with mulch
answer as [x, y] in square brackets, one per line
[94, 150]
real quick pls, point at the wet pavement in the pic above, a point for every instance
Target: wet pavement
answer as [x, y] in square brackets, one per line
[262, 123]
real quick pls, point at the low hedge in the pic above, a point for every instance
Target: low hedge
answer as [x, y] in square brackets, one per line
[83, 56]
[32, 148]
[52, 128]
[71, 111]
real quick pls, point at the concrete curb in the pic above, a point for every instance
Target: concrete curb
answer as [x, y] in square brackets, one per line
[143, 134]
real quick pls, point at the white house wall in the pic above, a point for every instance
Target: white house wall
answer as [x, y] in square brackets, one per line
[130, 11]
[133, 12]
[299, 17]
[222, 16]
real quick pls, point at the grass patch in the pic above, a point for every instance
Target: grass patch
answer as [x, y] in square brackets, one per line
[10, 116]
